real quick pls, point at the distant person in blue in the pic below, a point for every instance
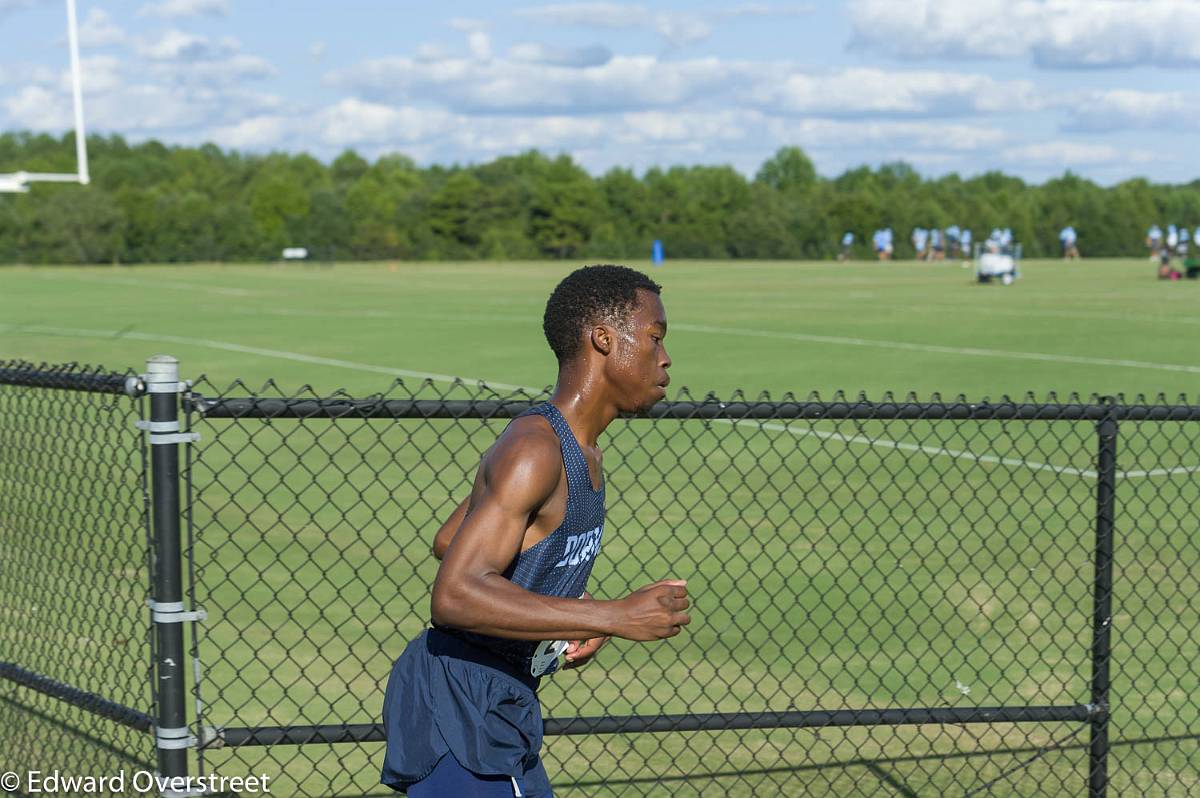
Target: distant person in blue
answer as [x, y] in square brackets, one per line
[1154, 240]
[965, 245]
[920, 240]
[847, 242]
[937, 248]
[953, 241]
[882, 240]
[1182, 248]
[461, 710]
[1067, 238]
[995, 240]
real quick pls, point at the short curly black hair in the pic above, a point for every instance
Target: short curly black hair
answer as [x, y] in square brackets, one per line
[600, 293]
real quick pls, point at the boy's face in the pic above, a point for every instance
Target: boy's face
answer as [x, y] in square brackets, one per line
[638, 364]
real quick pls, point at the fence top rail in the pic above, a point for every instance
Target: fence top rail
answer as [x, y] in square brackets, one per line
[70, 377]
[380, 408]
[95, 379]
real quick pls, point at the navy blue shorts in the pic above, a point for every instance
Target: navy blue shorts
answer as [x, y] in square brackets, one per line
[452, 779]
[452, 706]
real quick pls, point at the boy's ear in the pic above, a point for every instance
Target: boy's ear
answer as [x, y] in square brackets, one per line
[602, 339]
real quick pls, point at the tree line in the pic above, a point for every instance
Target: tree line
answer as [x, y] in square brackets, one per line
[150, 202]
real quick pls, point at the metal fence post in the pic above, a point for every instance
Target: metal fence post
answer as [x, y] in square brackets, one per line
[1106, 487]
[172, 736]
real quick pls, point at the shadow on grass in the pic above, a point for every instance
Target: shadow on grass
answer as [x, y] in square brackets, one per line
[79, 734]
[873, 765]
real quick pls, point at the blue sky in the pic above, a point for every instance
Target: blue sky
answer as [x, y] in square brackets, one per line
[1106, 88]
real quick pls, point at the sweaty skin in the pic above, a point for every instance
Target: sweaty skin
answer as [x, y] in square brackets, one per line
[519, 497]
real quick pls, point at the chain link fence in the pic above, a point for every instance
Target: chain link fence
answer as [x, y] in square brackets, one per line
[889, 598]
[75, 685]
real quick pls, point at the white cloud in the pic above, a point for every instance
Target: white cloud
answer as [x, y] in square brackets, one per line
[13, 5]
[1123, 109]
[677, 27]
[180, 57]
[614, 16]
[1068, 153]
[174, 9]
[538, 79]
[480, 45]
[681, 29]
[231, 70]
[662, 127]
[868, 91]
[766, 10]
[132, 108]
[468, 24]
[23, 72]
[99, 30]
[177, 45]
[354, 122]
[100, 73]
[1054, 33]
[1110, 33]
[940, 28]
[257, 132]
[577, 57]
[118, 98]
[603, 140]
[428, 53]
[903, 135]
[38, 108]
[623, 83]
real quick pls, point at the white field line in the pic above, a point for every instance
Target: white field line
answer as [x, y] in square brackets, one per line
[934, 451]
[946, 350]
[886, 443]
[394, 315]
[253, 350]
[143, 283]
[938, 451]
[1160, 472]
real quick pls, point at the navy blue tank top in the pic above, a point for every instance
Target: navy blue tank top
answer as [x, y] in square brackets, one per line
[558, 565]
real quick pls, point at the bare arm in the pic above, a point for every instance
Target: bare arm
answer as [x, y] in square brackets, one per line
[516, 477]
[445, 533]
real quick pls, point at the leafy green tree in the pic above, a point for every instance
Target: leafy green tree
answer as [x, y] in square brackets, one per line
[152, 202]
[565, 206]
[788, 170]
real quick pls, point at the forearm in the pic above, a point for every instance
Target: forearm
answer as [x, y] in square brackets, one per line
[445, 533]
[492, 605]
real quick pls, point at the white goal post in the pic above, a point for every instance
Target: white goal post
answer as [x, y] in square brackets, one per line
[19, 181]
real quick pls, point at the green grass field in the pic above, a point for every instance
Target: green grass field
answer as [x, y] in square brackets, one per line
[734, 324]
[832, 564]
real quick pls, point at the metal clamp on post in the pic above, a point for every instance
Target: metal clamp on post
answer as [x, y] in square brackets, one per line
[212, 737]
[174, 739]
[162, 432]
[173, 612]
[165, 387]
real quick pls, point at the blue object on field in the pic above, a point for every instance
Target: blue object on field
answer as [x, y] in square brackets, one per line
[656, 255]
